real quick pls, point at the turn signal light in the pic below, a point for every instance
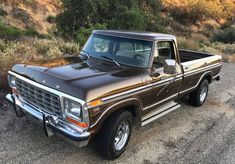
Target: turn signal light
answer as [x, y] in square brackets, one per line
[73, 121]
[95, 103]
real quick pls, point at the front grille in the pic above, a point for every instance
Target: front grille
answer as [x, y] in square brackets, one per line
[42, 99]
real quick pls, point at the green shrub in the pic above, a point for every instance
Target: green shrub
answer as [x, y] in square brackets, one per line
[69, 48]
[51, 19]
[224, 48]
[2, 12]
[7, 31]
[11, 33]
[31, 32]
[83, 33]
[80, 15]
[226, 35]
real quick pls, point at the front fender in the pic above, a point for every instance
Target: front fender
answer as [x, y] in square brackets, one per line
[134, 105]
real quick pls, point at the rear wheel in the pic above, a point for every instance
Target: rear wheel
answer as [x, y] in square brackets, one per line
[198, 97]
[113, 138]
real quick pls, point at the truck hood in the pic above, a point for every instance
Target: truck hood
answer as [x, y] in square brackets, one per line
[86, 80]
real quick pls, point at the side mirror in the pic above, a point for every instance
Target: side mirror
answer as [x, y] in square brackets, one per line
[170, 66]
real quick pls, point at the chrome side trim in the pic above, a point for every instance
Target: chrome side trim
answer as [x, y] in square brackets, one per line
[159, 115]
[141, 89]
[181, 92]
[159, 102]
[159, 110]
[161, 82]
[189, 73]
[110, 107]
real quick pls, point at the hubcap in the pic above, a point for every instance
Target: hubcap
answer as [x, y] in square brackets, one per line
[203, 93]
[122, 134]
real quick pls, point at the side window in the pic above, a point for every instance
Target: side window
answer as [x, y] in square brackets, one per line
[165, 51]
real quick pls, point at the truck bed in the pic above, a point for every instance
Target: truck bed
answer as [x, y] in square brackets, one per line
[186, 55]
[192, 60]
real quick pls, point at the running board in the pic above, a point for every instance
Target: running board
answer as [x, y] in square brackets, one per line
[160, 112]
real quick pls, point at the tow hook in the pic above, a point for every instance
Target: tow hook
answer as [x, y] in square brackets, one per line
[18, 111]
[47, 120]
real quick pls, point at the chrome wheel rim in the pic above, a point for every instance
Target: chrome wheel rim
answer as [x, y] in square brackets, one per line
[203, 93]
[122, 135]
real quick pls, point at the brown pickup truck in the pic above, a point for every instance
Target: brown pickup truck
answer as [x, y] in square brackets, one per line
[120, 79]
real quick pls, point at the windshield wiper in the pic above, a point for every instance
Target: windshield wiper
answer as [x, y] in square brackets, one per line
[109, 58]
[86, 53]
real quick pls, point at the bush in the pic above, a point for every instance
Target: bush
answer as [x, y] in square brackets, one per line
[191, 11]
[2, 12]
[29, 49]
[186, 43]
[226, 50]
[12, 33]
[80, 15]
[227, 35]
[7, 31]
[83, 33]
[51, 19]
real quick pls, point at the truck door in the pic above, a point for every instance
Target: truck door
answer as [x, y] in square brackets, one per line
[165, 87]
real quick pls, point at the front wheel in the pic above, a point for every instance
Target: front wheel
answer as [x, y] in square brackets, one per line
[113, 138]
[198, 97]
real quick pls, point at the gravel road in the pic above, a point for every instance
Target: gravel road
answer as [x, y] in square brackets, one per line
[188, 135]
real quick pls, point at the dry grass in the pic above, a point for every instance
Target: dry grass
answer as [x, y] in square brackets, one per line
[191, 11]
[31, 49]
[33, 14]
[226, 50]
[199, 42]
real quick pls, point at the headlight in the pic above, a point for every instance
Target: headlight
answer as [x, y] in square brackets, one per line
[11, 80]
[76, 114]
[73, 109]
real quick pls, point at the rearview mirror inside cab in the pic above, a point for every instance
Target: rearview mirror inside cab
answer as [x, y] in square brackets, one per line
[170, 66]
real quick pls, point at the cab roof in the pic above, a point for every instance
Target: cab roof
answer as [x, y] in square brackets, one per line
[135, 34]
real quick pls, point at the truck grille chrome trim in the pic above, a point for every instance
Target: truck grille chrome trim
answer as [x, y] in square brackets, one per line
[44, 100]
[52, 91]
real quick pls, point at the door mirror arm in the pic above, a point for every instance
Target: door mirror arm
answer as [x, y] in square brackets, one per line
[154, 73]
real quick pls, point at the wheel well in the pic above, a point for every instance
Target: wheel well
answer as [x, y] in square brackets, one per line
[131, 108]
[208, 77]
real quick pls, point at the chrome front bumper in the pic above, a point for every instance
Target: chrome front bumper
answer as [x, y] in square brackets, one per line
[51, 123]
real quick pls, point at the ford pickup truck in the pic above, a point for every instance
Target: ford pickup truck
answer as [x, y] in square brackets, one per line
[119, 80]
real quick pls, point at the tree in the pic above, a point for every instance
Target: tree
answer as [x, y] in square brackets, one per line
[113, 14]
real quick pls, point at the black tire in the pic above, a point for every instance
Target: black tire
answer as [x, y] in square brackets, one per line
[104, 141]
[194, 97]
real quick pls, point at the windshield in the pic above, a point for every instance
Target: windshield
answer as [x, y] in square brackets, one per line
[125, 51]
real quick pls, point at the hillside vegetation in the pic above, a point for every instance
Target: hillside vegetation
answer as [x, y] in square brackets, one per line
[36, 29]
